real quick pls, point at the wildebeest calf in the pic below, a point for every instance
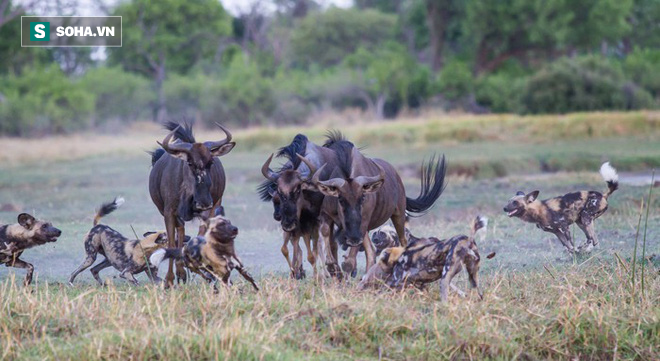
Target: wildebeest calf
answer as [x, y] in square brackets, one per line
[212, 256]
[27, 233]
[128, 256]
[555, 215]
[426, 260]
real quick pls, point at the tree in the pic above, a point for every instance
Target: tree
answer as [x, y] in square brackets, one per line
[326, 38]
[168, 35]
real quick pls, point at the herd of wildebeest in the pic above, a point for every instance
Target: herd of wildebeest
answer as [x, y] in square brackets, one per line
[330, 195]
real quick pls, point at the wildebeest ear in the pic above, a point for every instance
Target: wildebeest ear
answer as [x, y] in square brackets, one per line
[179, 154]
[26, 220]
[223, 149]
[373, 186]
[531, 197]
[330, 191]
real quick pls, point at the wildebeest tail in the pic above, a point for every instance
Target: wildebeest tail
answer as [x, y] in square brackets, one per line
[107, 208]
[611, 177]
[164, 254]
[433, 183]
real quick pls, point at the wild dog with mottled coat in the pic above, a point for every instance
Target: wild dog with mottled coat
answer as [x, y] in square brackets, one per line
[555, 215]
[27, 233]
[426, 260]
[130, 257]
[212, 256]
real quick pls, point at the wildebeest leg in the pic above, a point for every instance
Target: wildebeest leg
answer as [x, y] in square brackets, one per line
[327, 232]
[349, 266]
[181, 275]
[311, 252]
[399, 222]
[96, 269]
[17, 263]
[170, 227]
[85, 265]
[298, 271]
[369, 250]
[286, 236]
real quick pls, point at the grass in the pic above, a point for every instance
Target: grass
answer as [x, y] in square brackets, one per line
[539, 304]
[582, 312]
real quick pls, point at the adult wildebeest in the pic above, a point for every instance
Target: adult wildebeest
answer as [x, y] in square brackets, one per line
[187, 180]
[363, 193]
[297, 204]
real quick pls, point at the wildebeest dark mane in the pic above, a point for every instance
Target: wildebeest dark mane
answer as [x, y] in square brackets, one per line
[343, 148]
[291, 151]
[184, 133]
[155, 155]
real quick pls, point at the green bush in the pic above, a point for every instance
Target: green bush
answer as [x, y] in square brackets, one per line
[119, 95]
[499, 92]
[43, 101]
[581, 84]
[184, 93]
[455, 80]
[642, 66]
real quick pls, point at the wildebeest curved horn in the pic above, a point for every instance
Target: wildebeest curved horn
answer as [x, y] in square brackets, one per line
[362, 180]
[181, 146]
[267, 172]
[334, 182]
[213, 145]
[312, 168]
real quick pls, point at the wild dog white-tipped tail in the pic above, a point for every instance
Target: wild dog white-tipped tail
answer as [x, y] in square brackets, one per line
[157, 257]
[479, 225]
[119, 201]
[608, 173]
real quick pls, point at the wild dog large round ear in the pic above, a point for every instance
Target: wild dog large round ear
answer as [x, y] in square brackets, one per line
[520, 193]
[531, 197]
[26, 220]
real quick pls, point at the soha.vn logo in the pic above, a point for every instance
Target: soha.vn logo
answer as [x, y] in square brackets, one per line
[39, 31]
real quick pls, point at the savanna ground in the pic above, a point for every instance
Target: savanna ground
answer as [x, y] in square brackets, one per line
[540, 303]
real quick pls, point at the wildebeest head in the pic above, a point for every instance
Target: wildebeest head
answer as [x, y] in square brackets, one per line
[354, 203]
[199, 158]
[518, 204]
[290, 185]
[38, 231]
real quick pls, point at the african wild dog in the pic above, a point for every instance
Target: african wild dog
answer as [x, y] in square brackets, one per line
[555, 215]
[127, 256]
[426, 260]
[212, 256]
[27, 233]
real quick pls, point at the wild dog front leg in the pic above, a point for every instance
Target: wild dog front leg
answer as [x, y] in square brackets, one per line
[349, 265]
[18, 263]
[564, 236]
[127, 274]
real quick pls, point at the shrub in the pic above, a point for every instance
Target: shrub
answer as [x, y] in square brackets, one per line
[455, 80]
[641, 66]
[43, 100]
[581, 84]
[119, 95]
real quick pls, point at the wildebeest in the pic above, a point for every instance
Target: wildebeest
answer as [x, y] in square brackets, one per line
[27, 233]
[555, 215]
[212, 256]
[297, 203]
[363, 193]
[187, 180]
[127, 256]
[426, 260]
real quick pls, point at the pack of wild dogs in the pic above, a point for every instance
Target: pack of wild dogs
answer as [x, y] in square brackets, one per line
[331, 195]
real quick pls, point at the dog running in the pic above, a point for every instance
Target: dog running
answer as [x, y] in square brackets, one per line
[426, 260]
[27, 233]
[130, 257]
[555, 215]
[212, 256]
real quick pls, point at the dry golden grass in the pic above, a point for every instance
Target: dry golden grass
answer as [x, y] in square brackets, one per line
[415, 132]
[584, 311]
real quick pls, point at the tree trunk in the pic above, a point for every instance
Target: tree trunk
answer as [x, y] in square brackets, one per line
[161, 110]
[437, 15]
[380, 106]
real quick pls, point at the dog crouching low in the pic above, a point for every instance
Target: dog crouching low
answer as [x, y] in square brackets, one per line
[212, 256]
[130, 257]
[426, 260]
[27, 233]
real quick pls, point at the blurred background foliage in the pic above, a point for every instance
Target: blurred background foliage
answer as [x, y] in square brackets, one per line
[279, 62]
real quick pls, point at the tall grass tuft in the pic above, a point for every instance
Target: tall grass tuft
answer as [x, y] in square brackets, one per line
[646, 222]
